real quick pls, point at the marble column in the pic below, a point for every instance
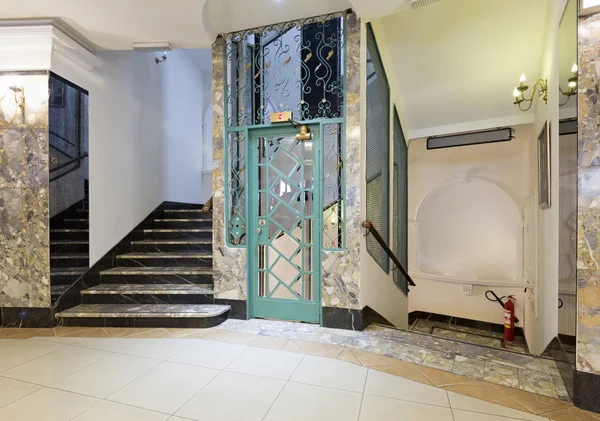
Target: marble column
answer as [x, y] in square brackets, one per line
[587, 377]
[229, 263]
[341, 269]
[24, 219]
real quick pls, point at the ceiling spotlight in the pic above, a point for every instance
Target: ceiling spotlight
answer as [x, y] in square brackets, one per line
[161, 59]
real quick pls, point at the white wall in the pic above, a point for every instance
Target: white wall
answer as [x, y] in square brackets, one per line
[126, 164]
[184, 101]
[377, 289]
[466, 207]
[140, 155]
[541, 311]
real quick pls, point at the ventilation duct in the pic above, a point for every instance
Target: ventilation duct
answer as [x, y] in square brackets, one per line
[468, 139]
[415, 4]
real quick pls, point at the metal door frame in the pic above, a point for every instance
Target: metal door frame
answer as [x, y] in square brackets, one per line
[272, 307]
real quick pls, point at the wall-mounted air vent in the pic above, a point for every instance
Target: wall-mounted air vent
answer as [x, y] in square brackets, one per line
[473, 138]
[415, 4]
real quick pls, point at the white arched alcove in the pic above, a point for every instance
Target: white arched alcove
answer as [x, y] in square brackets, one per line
[469, 229]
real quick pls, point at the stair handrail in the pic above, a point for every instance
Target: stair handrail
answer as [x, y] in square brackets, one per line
[368, 225]
[62, 138]
[208, 206]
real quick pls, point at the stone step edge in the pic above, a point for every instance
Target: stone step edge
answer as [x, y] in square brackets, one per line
[76, 312]
[165, 255]
[156, 270]
[142, 289]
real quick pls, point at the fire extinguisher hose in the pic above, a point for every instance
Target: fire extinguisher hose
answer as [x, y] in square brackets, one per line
[498, 299]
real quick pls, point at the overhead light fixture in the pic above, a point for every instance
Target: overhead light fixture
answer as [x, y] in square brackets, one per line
[572, 86]
[151, 47]
[540, 87]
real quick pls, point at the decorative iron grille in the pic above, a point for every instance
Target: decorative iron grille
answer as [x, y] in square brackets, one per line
[294, 66]
[333, 186]
[378, 151]
[400, 215]
[236, 183]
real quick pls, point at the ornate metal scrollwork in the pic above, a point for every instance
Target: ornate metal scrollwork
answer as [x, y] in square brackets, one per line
[293, 66]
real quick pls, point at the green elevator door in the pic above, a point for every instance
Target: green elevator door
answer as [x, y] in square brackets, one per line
[284, 243]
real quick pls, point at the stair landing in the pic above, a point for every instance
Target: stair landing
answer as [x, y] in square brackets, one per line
[145, 315]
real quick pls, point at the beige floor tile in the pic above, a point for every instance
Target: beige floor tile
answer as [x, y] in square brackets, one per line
[485, 392]
[402, 369]
[266, 362]
[69, 330]
[154, 333]
[570, 414]
[121, 332]
[17, 333]
[268, 342]
[47, 405]
[369, 359]
[291, 346]
[95, 332]
[302, 402]
[320, 350]
[534, 403]
[327, 372]
[188, 333]
[467, 403]
[349, 357]
[237, 338]
[443, 378]
[395, 387]
[377, 408]
[112, 411]
[252, 395]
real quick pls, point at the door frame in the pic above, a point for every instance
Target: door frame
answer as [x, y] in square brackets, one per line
[252, 221]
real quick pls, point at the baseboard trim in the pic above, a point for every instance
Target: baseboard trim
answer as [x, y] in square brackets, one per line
[586, 393]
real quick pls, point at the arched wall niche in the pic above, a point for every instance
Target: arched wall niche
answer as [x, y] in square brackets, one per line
[469, 228]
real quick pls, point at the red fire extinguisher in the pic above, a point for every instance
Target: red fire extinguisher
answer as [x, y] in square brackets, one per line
[509, 319]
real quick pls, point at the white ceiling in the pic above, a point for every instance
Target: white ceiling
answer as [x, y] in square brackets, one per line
[117, 24]
[454, 63]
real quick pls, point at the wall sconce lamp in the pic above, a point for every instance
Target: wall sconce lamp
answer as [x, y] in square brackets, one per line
[572, 85]
[541, 87]
[161, 59]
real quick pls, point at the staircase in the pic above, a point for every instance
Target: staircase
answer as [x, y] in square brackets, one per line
[69, 247]
[166, 280]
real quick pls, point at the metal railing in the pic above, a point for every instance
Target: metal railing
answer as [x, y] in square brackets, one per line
[368, 225]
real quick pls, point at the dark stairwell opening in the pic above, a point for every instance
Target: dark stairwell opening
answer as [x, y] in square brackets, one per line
[68, 123]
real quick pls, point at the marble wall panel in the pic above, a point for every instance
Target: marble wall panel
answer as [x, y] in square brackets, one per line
[341, 269]
[229, 264]
[24, 219]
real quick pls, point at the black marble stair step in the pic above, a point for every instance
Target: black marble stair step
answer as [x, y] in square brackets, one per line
[75, 222]
[179, 234]
[171, 245]
[145, 315]
[69, 260]
[175, 223]
[69, 234]
[148, 294]
[61, 276]
[158, 275]
[165, 259]
[59, 289]
[187, 213]
[68, 246]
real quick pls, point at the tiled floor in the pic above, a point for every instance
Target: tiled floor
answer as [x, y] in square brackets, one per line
[218, 375]
[497, 366]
